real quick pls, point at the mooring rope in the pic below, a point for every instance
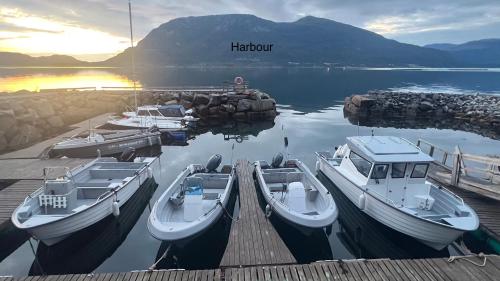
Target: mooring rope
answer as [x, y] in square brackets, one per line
[153, 266]
[466, 258]
[227, 212]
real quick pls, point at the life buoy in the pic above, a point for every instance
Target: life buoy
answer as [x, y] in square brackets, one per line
[238, 80]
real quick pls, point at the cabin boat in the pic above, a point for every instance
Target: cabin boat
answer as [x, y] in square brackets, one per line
[105, 143]
[192, 203]
[172, 117]
[385, 177]
[295, 194]
[82, 197]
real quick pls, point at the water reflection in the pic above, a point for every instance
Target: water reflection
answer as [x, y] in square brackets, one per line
[85, 250]
[72, 78]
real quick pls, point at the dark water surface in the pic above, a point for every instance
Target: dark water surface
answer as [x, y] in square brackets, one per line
[310, 103]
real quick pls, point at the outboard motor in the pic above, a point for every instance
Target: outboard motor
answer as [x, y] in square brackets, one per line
[128, 154]
[214, 162]
[277, 159]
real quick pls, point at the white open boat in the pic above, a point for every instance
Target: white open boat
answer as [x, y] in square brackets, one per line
[82, 197]
[385, 177]
[193, 202]
[295, 194]
[106, 142]
[171, 117]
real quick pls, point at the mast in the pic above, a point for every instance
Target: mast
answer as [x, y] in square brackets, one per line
[133, 51]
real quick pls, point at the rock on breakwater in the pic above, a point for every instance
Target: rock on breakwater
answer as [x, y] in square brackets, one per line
[474, 113]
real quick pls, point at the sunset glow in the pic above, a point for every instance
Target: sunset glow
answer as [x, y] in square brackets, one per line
[39, 35]
[83, 78]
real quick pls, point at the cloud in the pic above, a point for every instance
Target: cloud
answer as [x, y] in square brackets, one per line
[411, 21]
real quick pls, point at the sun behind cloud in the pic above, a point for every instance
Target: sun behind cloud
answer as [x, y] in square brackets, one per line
[37, 35]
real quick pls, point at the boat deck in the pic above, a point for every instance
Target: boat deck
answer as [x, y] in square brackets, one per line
[437, 269]
[253, 240]
[487, 209]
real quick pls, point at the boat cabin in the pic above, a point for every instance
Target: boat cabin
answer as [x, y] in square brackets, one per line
[391, 168]
[171, 110]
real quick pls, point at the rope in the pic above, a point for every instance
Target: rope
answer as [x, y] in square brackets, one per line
[153, 266]
[36, 258]
[227, 212]
[466, 258]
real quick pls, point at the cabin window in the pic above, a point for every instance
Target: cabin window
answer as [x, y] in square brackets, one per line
[171, 112]
[380, 171]
[142, 113]
[419, 171]
[362, 165]
[154, 113]
[398, 170]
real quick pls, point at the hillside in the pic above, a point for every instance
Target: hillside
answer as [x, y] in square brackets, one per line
[18, 60]
[484, 52]
[208, 39]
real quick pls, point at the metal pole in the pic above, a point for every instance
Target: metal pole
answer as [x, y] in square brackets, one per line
[132, 52]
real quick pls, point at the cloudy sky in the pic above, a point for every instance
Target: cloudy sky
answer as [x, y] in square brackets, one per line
[97, 29]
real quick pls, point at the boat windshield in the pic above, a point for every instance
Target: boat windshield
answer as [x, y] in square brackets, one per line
[362, 165]
[398, 170]
[420, 170]
[171, 112]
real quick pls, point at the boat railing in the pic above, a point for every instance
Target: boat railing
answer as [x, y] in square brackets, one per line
[458, 198]
[480, 174]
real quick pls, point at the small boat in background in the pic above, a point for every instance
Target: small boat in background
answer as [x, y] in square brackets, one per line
[193, 202]
[82, 197]
[105, 143]
[171, 117]
[385, 177]
[295, 194]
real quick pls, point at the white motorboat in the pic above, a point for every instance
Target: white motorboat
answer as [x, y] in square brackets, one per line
[106, 142]
[385, 177]
[84, 196]
[295, 194]
[172, 116]
[193, 202]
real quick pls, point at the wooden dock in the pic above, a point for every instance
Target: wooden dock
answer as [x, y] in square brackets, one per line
[437, 269]
[252, 239]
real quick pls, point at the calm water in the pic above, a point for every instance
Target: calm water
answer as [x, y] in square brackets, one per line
[310, 102]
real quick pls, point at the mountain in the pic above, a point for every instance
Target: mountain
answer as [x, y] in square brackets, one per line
[18, 59]
[484, 52]
[208, 39]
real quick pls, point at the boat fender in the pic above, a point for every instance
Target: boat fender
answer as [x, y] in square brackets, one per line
[149, 172]
[362, 201]
[269, 211]
[277, 159]
[116, 209]
[317, 166]
[150, 141]
[214, 162]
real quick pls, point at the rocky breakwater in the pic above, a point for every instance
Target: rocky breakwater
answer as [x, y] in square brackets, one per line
[219, 107]
[27, 118]
[474, 113]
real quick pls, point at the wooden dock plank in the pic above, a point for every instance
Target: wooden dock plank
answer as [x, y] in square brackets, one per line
[253, 240]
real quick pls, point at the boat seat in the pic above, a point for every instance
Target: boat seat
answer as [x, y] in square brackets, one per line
[297, 197]
[193, 198]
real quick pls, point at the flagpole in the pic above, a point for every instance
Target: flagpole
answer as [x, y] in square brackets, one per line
[132, 51]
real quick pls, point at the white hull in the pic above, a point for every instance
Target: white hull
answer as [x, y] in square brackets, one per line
[56, 231]
[432, 234]
[162, 226]
[146, 122]
[306, 223]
